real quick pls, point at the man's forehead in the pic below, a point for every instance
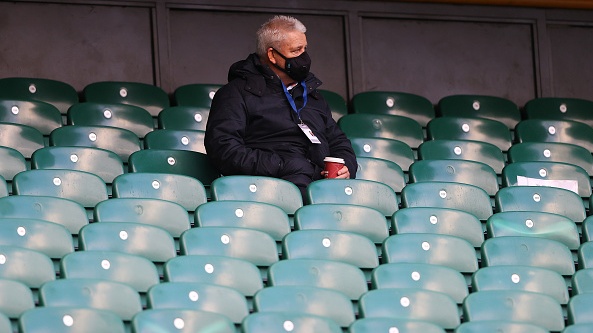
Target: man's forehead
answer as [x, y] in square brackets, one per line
[295, 38]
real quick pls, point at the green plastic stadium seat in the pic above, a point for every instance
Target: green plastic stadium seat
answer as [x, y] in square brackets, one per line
[151, 98]
[552, 152]
[564, 131]
[180, 320]
[60, 94]
[497, 326]
[577, 328]
[13, 162]
[480, 106]
[559, 108]
[582, 281]
[3, 188]
[382, 171]
[32, 268]
[69, 320]
[396, 103]
[477, 151]
[476, 129]
[513, 305]
[261, 322]
[191, 140]
[42, 116]
[23, 138]
[199, 296]
[337, 103]
[585, 255]
[49, 238]
[184, 118]
[196, 94]
[116, 297]
[372, 325]
[387, 126]
[587, 227]
[16, 298]
[580, 309]
[395, 151]
[130, 117]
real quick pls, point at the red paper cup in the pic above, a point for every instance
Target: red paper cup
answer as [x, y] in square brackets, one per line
[332, 166]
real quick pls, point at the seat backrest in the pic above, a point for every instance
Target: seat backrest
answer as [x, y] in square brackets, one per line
[444, 221]
[294, 322]
[116, 297]
[235, 273]
[129, 269]
[42, 116]
[196, 94]
[185, 320]
[484, 152]
[118, 140]
[457, 171]
[535, 224]
[260, 216]
[342, 246]
[409, 105]
[279, 192]
[480, 106]
[372, 325]
[361, 192]
[70, 319]
[307, 300]
[82, 187]
[199, 296]
[184, 118]
[366, 221]
[130, 117]
[330, 274]
[151, 242]
[149, 97]
[60, 94]
[184, 190]
[165, 214]
[382, 171]
[495, 326]
[395, 151]
[192, 140]
[24, 139]
[16, 298]
[421, 276]
[585, 255]
[582, 281]
[528, 251]
[337, 103]
[68, 213]
[52, 239]
[31, 267]
[554, 174]
[540, 199]
[445, 250]
[559, 108]
[513, 305]
[13, 162]
[387, 126]
[580, 308]
[103, 163]
[181, 162]
[416, 304]
[476, 129]
[552, 152]
[465, 197]
[566, 131]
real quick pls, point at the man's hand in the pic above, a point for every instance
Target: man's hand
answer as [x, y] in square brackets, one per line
[343, 173]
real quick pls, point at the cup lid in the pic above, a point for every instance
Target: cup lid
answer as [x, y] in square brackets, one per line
[334, 159]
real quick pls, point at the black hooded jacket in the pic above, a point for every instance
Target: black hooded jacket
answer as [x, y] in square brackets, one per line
[253, 130]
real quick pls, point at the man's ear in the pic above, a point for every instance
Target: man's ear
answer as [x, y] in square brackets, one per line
[271, 55]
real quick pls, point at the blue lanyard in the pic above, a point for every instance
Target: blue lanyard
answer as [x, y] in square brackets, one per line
[291, 100]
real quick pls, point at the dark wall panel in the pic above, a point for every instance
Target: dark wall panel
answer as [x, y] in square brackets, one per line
[437, 58]
[572, 60]
[77, 44]
[205, 43]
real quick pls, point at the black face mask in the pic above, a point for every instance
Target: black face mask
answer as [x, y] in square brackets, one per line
[296, 68]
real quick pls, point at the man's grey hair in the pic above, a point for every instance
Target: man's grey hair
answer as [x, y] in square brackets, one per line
[271, 33]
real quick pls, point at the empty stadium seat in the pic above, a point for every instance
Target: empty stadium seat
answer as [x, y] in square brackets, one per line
[199, 296]
[42, 116]
[49, 238]
[118, 140]
[60, 94]
[457, 171]
[24, 139]
[69, 320]
[116, 297]
[577, 328]
[396, 103]
[184, 118]
[517, 306]
[480, 106]
[191, 140]
[32, 268]
[476, 129]
[130, 117]
[559, 108]
[196, 94]
[587, 227]
[180, 320]
[382, 171]
[585, 255]
[355, 192]
[387, 126]
[484, 152]
[16, 298]
[552, 152]
[337, 104]
[149, 97]
[465, 197]
[269, 322]
[580, 309]
[372, 325]
[564, 131]
[582, 281]
[13, 162]
[306, 300]
[415, 304]
[3, 188]
[387, 149]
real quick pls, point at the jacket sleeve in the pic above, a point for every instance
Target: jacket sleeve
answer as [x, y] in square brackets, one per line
[224, 140]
